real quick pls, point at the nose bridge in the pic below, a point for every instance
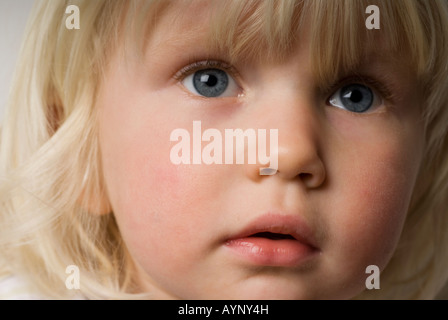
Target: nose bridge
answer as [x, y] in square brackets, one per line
[293, 112]
[298, 132]
[287, 99]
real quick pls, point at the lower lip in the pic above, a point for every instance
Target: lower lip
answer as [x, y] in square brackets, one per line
[267, 252]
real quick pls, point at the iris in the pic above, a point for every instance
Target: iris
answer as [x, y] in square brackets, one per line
[210, 82]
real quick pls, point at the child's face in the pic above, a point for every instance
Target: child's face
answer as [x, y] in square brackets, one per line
[343, 184]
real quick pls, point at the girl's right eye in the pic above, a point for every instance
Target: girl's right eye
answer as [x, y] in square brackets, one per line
[211, 83]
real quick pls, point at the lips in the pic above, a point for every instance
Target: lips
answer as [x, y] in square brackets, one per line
[272, 236]
[274, 240]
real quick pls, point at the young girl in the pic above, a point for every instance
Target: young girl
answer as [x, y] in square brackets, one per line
[357, 207]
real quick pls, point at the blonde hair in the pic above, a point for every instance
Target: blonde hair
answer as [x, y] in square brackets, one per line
[50, 172]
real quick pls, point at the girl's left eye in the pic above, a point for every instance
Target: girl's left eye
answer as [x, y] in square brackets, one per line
[355, 97]
[211, 83]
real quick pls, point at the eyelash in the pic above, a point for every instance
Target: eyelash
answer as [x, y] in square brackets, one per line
[205, 64]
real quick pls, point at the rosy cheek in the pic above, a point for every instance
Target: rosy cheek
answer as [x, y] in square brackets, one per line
[158, 196]
[374, 214]
[149, 212]
[372, 175]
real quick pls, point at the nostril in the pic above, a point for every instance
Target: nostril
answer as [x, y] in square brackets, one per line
[305, 176]
[312, 180]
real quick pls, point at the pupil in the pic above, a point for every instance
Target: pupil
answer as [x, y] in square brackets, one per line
[356, 96]
[210, 80]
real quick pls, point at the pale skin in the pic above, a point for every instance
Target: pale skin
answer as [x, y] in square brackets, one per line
[349, 176]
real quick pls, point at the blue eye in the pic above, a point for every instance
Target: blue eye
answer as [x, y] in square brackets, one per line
[353, 97]
[211, 83]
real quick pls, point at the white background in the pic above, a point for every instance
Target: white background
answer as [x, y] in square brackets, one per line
[13, 17]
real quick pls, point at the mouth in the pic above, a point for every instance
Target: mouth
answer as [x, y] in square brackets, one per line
[274, 240]
[272, 236]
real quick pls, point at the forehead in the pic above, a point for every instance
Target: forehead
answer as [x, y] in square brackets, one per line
[257, 30]
[182, 24]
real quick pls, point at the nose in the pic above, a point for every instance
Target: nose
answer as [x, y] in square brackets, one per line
[298, 154]
[298, 158]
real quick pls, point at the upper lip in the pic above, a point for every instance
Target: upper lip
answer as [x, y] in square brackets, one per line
[292, 225]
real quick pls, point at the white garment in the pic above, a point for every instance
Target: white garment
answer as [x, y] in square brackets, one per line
[13, 288]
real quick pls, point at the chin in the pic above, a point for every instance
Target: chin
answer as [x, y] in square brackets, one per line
[269, 290]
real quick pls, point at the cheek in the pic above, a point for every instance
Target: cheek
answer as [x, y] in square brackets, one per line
[374, 209]
[160, 207]
[370, 182]
[147, 191]
[374, 178]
